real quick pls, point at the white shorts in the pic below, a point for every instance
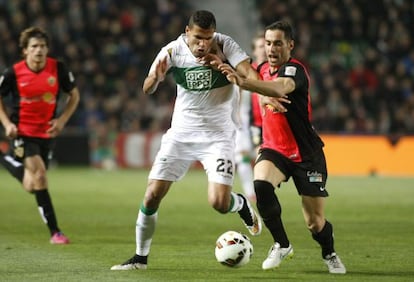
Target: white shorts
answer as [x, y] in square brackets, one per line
[215, 151]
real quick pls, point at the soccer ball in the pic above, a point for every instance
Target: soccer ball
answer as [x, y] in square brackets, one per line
[233, 249]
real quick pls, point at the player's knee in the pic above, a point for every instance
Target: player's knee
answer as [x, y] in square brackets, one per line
[156, 190]
[315, 223]
[152, 200]
[39, 178]
[31, 182]
[29, 189]
[267, 203]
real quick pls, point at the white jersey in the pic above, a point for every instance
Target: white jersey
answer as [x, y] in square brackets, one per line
[205, 99]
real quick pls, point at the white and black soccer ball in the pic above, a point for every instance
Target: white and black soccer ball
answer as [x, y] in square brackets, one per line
[233, 249]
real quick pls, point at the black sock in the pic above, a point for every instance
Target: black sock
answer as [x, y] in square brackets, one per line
[141, 259]
[244, 212]
[15, 168]
[46, 210]
[270, 210]
[325, 239]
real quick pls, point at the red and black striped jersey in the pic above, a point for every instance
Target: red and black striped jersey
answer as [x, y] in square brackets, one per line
[291, 133]
[34, 95]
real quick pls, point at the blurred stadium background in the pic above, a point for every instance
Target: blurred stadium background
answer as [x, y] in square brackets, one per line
[359, 52]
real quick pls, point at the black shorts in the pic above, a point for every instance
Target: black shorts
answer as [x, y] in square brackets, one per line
[309, 176]
[24, 147]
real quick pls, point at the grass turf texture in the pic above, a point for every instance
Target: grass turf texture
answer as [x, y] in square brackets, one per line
[372, 217]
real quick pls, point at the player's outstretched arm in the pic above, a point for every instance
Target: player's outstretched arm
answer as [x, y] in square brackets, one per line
[155, 77]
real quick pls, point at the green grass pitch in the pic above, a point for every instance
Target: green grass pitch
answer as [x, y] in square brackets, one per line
[373, 219]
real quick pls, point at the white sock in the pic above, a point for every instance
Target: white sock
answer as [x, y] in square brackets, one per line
[143, 232]
[237, 202]
[245, 172]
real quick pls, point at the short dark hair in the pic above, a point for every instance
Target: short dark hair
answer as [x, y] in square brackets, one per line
[203, 19]
[32, 32]
[283, 26]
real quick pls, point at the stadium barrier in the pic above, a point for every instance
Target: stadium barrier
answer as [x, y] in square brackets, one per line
[372, 155]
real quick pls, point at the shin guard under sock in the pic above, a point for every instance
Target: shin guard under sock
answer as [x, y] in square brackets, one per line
[46, 209]
[325, 239]
[270, 210]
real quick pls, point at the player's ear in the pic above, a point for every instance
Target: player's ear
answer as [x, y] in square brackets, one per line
[291, 44]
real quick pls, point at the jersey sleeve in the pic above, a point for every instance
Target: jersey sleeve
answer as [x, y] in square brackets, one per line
[296, 72]
[165, 52]
[232, 50]
[6, 82]
[65, 77]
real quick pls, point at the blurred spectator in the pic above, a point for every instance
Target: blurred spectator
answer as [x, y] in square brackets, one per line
[107, 44]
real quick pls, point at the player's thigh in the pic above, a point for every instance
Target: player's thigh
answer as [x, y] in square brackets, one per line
[267, 171]
[172, 161]
[271, 167]
[35, 176]
[34, 163]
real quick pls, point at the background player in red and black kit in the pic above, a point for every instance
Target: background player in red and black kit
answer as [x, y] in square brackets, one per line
[291, 147]
[34, 85]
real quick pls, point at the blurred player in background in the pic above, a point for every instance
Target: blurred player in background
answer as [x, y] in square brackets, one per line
[34, 85]
[259, 57]
[244, 150]
[202, 129]
[248, 136]
[291, 148]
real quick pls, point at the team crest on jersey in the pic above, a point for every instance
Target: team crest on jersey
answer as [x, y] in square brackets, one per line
[291, 71]
[198, 79]
[51, 80]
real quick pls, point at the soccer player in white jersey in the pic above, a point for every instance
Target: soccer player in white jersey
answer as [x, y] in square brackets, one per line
[203, 127]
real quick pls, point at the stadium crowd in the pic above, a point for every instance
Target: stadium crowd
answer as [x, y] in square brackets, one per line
[109, 46]
[361, 59]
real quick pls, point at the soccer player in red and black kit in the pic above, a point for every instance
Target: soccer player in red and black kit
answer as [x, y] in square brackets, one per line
[34, 85]
[291, 147]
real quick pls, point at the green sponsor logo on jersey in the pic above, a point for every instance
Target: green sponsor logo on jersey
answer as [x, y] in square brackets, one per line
[199, 78]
